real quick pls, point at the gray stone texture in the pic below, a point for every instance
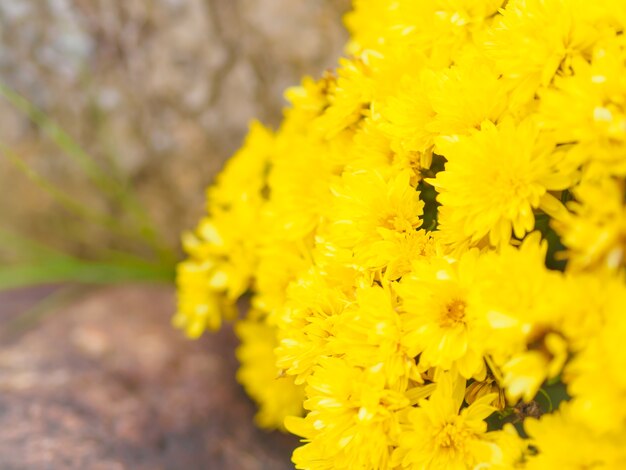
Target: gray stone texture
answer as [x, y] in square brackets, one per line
[158, 91]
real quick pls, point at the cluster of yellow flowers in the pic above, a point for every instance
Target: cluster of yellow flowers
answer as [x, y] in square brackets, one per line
[433, 243]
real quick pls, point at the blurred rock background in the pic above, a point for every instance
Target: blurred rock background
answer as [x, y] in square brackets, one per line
[106, 384]
[159, 92]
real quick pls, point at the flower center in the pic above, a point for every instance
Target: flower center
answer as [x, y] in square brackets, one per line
[453, 313]
[450, 437]
[397, 223]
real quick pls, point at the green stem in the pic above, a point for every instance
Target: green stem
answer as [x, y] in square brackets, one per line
[111, 186]
[68, 202]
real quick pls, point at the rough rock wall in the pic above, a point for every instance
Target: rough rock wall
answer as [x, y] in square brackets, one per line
[159, 91]
[106, 384]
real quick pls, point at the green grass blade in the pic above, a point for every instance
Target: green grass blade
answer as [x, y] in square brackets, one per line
[67, 202]
[81, 272]
[27, 247]
[104, 182]
[62, 139]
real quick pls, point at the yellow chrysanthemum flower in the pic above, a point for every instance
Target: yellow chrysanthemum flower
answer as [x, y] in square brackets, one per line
[405, 116]
[276, 394]
[371, 331]
[594, 95]
[308, 318]
[561, 441]
[595, 232]
[375, 219]
[440, 436]
[524, 308]
[596, 377]
[442, 318]
[532, 40]
[465, 95]
[221, 257]
[352, 420]
[200, 306]
[493, 181]
[524, 373]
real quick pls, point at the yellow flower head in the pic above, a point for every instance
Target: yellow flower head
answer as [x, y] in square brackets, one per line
[595, 232]
[464, 96]
[308, 318]
[442, 317]
[200, 306]
[596, 377]
[594, 94]
[534, 39]
[440, 436]
[376, 219]
[352, 419]
[371, 332]
[276, 394]
[493, 181]
[561, 441]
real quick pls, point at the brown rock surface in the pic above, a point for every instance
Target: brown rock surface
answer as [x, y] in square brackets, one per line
[105, 383]
[160, 92]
